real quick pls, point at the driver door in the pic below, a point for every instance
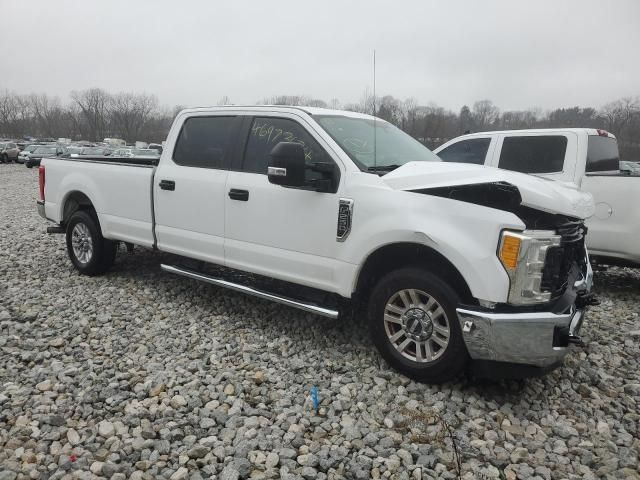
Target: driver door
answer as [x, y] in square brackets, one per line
[287, 233]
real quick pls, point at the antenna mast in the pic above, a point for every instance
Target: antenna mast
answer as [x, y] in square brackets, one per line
[375, 160]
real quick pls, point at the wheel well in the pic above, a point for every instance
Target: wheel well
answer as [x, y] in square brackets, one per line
[76, 201]
[399, 255]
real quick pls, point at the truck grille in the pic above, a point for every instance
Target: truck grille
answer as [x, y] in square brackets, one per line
[562, 260]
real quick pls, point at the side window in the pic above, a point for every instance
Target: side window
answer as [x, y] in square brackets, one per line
[205, 142]
[602, 154]
[267, 132]
[533, 154]
[473, 150]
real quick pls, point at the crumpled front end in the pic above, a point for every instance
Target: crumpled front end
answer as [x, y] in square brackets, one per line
[533, 339]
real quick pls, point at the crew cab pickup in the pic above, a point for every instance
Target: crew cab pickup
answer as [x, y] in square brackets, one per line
[582, 158]
[451, 264]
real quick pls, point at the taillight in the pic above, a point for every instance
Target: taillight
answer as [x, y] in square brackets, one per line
[41, 181]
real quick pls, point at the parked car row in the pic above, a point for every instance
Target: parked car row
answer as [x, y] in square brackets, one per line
[31, 154]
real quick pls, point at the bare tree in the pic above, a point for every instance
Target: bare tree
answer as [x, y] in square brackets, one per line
[484, 114]
[95, 105]
[129, 113]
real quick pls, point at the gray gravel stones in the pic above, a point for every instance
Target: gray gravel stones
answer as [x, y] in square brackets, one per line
[141, 375]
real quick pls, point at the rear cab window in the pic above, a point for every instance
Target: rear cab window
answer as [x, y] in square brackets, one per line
[602, 155]
[472, 150]
[537, 154]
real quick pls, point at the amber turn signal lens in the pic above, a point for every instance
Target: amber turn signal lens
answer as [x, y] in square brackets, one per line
[509, 251]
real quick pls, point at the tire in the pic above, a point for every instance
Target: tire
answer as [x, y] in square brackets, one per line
[4, 159]
[409, 311]
[90, 253]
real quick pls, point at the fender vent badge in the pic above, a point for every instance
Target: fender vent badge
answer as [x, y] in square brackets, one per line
[345, 213]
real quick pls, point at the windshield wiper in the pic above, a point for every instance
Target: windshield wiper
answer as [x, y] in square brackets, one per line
[383, 168]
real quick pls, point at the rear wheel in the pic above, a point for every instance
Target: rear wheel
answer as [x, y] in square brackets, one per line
[88, 250]
[4, 158]
[413, 322]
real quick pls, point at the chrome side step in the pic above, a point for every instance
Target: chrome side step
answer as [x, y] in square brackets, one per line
[307, 307]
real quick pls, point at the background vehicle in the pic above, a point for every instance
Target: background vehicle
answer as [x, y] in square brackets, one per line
[583, 158]
[72, 150]
[24, 154]
[630, 168]
[448, 262]
[157, 147]
[136, 152]
[8, 152]
[95, 151]
[43, 151]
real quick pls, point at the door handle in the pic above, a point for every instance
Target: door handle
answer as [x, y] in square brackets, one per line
[167, 185]
[242, 195]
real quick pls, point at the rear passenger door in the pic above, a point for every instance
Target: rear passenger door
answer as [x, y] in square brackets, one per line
[189, 188]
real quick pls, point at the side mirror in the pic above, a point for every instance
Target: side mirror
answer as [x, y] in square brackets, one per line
[287, 165]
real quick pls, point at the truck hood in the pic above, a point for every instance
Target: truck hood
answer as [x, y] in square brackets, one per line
[536, 192]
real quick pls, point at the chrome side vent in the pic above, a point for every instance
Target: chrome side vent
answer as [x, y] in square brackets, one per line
[345, 214]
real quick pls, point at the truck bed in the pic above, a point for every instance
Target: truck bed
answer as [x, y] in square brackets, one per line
[121, 192]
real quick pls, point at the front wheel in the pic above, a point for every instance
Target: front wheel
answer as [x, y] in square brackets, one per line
[88, 250]
[414, 325]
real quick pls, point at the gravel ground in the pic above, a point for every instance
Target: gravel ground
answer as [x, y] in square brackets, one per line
[139, 374]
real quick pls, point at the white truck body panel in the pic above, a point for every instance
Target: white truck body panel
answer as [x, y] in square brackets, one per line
[121, 195]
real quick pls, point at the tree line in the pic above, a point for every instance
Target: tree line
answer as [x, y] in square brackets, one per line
[95, 114]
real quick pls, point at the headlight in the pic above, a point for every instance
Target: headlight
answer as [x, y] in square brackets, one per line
[523, 256]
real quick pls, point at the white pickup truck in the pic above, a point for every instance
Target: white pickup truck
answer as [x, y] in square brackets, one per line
[582, 158]
[450, 263]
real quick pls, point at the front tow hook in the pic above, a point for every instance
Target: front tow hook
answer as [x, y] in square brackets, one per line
[576, 340]
[585, 299]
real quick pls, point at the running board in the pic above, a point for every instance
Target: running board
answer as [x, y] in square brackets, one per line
[307, 307]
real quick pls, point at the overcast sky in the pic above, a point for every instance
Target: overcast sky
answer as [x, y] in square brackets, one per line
[519, 54]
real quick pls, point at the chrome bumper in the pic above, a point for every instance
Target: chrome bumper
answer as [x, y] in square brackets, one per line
[522, 338]
[41, 211]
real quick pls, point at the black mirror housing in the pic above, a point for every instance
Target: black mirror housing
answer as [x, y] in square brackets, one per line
[287, 166]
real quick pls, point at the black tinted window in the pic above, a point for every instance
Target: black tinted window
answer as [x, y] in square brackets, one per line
[473, 150]
[267, 132]
[540, 154]
[602, 154]
[205, 142]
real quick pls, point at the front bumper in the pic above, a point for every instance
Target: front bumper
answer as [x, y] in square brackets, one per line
[538, 339]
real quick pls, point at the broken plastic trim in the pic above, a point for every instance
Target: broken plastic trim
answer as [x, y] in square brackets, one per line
[499, 195]
[502, 196]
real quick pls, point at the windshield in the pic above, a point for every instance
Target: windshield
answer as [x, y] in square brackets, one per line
[45, 150]
[393, 147]
[30, 148]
